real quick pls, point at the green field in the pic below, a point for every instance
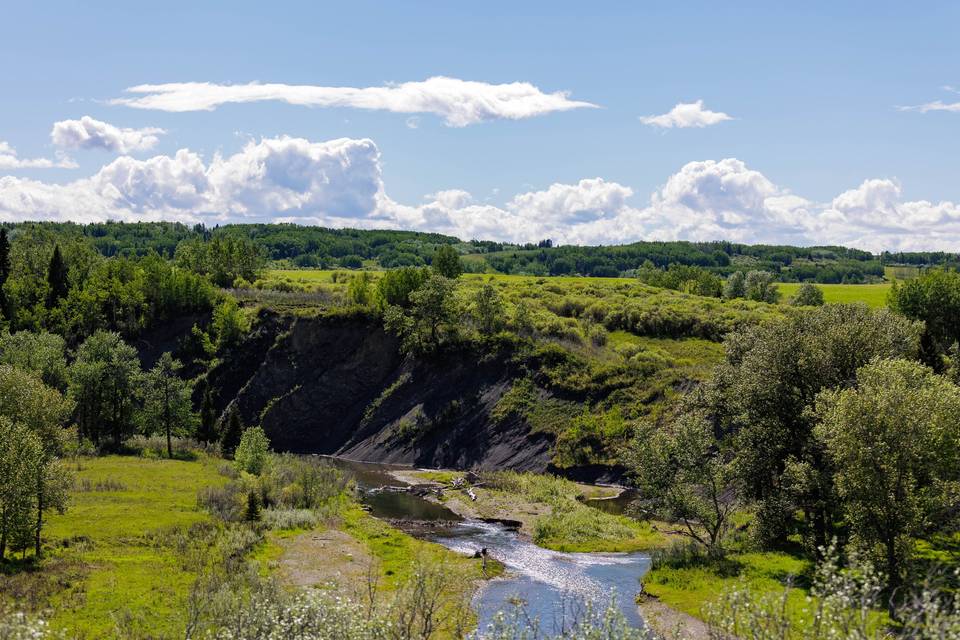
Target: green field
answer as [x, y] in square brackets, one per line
[874, 295]
[108, 562]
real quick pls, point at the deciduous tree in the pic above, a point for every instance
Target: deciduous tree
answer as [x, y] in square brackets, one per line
[894, 442]
[166, 401]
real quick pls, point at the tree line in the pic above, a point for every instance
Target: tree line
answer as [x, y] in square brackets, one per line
[318, 247]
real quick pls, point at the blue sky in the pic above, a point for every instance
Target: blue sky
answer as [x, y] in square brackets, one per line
[812, 92]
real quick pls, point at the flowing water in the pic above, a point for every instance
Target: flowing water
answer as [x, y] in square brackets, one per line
[553, 587]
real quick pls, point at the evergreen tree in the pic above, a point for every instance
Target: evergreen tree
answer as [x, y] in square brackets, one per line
[232, 433]
[5, 308]
[208, 417]
[57, 278]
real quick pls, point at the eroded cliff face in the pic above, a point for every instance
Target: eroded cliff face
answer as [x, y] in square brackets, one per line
[339, 385]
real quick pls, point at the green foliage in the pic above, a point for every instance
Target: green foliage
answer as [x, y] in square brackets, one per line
[57, 278]
[763, 395]
[446, 262]
[102, 382]
[894, 443]
[934, 298]
[6, 309]
[735, 286]
[396, 285]
[231, 432]
[488, 310]
[568, 524]
[431, 317]
[807, 295]
[207, 431]
[21, 451]
[229, 325]
[359, 289]
[682, 277]
[685, 476]
[222, 258]
[251, 454]
[591, 438]
[166, 401]
[40, 353]
[28, 402]
[760, 287]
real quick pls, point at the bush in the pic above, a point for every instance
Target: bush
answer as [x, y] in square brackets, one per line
[224, 502]
[290, 518]
[598, 335]
[251, 454]
[156, 447]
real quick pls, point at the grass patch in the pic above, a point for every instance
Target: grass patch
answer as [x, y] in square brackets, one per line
[873, 295]
[567, 524]
[110, 543]
[690, 588]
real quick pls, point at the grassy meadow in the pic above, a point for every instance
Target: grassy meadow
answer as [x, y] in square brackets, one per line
[108, 565]
[112, 566]
[873, 295]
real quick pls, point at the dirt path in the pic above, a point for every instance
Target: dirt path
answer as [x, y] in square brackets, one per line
[670, 623]
[327, 557]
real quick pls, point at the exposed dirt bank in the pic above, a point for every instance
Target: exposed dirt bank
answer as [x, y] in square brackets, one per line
[339, 385]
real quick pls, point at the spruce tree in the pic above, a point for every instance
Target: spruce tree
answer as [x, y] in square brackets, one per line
[232, 433]
[5, 309]
[57, 278]
[208, 417]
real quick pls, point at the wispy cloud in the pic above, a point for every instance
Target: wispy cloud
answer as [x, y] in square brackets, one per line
[10, 160]
[936, 105]
[684, 115]
[458, 102]
[87, 133]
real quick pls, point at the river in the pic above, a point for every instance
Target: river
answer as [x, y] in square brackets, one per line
[552, 586]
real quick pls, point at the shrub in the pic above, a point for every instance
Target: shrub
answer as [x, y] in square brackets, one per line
[251, 454]
[156, 447]
[223, 502]
[290, 518]
[598, 335]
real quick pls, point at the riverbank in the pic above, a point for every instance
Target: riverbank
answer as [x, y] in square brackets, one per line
[548, 510]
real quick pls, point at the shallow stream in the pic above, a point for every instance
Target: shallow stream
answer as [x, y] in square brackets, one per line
[552, 586]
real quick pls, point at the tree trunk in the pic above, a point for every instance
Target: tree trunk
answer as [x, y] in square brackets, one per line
[3, 535]
[166, 419]
[893, 575]
[36, 551]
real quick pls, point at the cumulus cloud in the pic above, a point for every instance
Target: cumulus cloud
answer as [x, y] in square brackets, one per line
[686, 114]
[458, 102]
[10, 160]
[88, 133]
[278, 177]
[339, 183]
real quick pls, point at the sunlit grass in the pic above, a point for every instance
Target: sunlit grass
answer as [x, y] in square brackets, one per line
[111, 534]
[873, 295]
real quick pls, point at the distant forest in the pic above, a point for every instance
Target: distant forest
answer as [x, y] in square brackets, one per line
[288, 245]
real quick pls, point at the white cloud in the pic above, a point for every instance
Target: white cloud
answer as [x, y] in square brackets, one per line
[936, 105]
[279, 177]
[686, 114]
[87, 133]
[458, 102]
[10, 160]
[339, 183]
